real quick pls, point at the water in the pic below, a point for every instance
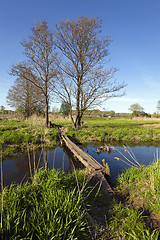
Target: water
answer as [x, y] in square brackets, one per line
[143, 154]
[16, 170]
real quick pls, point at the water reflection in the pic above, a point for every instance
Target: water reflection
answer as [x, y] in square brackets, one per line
[17, 169]
[143, 154]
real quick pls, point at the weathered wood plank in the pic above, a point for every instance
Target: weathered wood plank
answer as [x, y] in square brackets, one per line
[84, 157]
[89, 162]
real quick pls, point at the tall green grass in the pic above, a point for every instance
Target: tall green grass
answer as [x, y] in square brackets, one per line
[139, 190]
[49, 208]
[127, 223]
[142, 185]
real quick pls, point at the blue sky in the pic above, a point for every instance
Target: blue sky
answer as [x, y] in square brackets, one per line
[133, 25]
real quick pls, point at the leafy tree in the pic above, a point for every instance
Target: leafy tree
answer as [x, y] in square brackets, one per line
[82, 80]
[25, 97]
[136, 109]
[158, 106]
[38, 67]
[65, 108]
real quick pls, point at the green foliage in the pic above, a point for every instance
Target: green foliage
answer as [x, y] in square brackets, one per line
[130, 176]
[144, 181]
[127, 223]
[12, 137]
[49, 208]
[53, 134]
[71, 133]
[141, 186]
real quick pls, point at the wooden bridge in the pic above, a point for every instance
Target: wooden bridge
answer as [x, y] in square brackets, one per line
[101, 172]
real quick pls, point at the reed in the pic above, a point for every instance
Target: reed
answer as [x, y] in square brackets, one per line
[130, 159]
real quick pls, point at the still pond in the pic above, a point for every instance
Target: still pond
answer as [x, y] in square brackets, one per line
[16, 170]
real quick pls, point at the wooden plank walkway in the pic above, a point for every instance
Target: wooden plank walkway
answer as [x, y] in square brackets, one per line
[88, 161]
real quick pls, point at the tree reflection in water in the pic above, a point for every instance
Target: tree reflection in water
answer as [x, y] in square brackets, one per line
[17, 170]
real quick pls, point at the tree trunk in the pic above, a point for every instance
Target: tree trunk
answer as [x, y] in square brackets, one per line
[73, 123]
[78, 122]
[78, 118]
[71, 115]
[46, 112]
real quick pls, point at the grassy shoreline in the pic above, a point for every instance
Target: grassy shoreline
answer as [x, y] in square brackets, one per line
[67, 206]
[51, 207]
[138, 189]
[17, 136]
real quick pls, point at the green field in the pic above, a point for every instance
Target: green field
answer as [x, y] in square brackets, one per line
[116, 129]
[17, 136]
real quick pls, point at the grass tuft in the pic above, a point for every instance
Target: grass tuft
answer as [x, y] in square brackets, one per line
[52, 208]
[127, 223]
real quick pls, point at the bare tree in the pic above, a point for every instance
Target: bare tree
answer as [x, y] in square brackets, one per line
[25, 96]
[38, 67]
[158, 106]
[82, 80]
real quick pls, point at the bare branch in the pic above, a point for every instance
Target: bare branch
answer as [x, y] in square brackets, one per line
[40, 58]
[81, 75]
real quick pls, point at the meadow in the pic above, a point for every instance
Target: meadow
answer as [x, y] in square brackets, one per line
[18, 135]
[136, 130]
